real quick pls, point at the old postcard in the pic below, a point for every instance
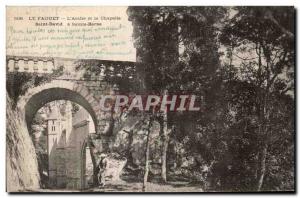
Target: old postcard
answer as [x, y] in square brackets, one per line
[150, 99]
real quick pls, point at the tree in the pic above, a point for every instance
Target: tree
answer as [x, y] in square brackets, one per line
[261, 39]
[147, 153]
[176, 49]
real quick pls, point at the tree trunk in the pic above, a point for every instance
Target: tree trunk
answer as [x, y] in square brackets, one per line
[263, 131]
[146, 169]
[164, 160]
[164, 146]
[129, 149]
[164, 142]
[262, 167]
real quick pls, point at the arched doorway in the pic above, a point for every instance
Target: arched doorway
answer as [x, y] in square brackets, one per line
[72, 169]
[38, 96]
[60, 131]
[87, 169]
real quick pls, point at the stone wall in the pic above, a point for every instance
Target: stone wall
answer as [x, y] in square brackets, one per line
[21, 162]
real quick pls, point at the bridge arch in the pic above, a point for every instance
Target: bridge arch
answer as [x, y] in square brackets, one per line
[37, 97]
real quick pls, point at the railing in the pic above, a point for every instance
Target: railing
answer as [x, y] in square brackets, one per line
[30, 65]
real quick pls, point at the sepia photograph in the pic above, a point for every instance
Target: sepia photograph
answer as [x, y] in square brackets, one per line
[150, 99]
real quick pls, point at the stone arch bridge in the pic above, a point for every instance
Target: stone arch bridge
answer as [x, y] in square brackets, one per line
[37, 97]
[71, 86]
